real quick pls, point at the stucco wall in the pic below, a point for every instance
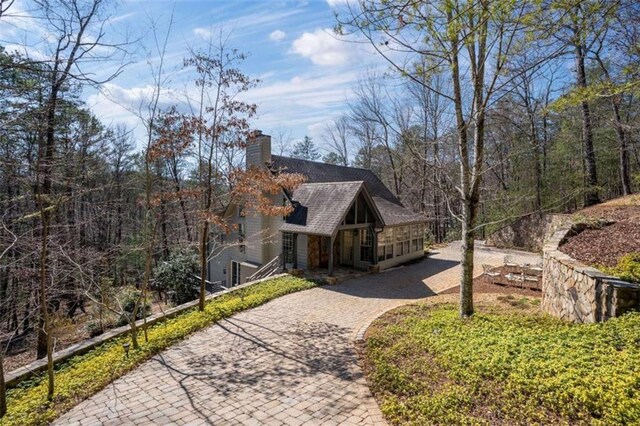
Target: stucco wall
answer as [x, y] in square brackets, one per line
[579, 293]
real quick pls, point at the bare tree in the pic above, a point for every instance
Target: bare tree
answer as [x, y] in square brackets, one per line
[337, 133]
[282, 140]
[3, 391]
[471, 41]
[4, 6]
[78, 38]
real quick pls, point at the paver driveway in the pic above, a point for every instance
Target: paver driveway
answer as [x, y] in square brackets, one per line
[291, 361]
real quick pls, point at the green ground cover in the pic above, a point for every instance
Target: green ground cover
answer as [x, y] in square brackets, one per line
[506, 365]
[85, 375]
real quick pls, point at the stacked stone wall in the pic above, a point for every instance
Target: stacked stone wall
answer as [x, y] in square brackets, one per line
[579, 293]
[528, 232]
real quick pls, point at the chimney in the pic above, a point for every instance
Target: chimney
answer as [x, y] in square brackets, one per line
[258, 149]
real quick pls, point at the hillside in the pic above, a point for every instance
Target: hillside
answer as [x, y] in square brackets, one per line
[606, 244]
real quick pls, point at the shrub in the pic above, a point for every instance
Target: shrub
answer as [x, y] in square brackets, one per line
[128, 299]
[176, 277]
[84, 375]
[95, 327]
[628, 268]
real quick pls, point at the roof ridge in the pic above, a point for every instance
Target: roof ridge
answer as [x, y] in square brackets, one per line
[360, 182]
[323, 163]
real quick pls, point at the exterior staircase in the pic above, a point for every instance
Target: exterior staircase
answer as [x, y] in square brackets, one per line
[270, 268]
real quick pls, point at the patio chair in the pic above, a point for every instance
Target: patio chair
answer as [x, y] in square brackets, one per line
[510, 261]
[491, 272]
[537, 267]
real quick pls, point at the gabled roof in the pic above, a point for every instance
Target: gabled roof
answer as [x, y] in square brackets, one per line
[389, 207]
[320, 207]
[323, 173]
[393, 214]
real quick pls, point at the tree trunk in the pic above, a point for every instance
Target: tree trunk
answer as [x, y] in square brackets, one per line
[537, 167]
[623, 156]
[3, 389]
[44, 331]
[466, 277]
[466, 262]
[591, 180]
[204, 242]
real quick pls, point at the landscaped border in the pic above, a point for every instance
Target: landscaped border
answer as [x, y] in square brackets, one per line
[83, 375]
[580, 293]
[37, 366]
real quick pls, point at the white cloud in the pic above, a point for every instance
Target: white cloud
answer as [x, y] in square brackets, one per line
[334, 3]
[28, 51]
[277, 35]
[323, 48]
[203, 33]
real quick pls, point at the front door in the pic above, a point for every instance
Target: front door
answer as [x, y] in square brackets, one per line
[325, 243]
[346, 257]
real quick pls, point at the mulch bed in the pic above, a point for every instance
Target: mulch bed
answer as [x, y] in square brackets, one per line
[605, 246]
[482, 285]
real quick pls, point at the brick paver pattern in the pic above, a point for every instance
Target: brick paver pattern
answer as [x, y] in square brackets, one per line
[291, 361]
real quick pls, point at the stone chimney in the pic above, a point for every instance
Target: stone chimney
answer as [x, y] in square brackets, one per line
[258, 149]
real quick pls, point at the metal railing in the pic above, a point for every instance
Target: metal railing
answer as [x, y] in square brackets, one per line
[270, 268]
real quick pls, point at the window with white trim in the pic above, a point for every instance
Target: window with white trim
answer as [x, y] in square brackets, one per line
[366, 245]
[287, 247]
[235, 273]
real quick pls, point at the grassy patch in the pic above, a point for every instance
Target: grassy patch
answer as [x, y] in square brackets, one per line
[503, 366]
[84, 375]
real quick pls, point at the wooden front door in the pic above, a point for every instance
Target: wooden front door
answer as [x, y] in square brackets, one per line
[325, 243]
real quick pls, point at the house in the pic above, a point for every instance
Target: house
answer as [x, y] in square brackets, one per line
[343, 216]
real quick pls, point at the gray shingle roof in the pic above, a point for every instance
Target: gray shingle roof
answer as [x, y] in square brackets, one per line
[390, 208]
[393, 214]
[322, 173]
[320, 207]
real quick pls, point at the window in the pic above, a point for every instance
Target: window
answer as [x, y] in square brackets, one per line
[385, 245]
[404, 244]
[366, 245]
[398, 234]
[350, 219]
[287, 247]
[381, 246]
[235, 273]
[414, 237]
[388, 250]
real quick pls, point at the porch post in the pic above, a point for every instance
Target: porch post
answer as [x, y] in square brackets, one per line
[331, 257]
[374, 240]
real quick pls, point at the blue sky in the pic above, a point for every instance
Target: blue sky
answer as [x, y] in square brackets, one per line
[306, 72]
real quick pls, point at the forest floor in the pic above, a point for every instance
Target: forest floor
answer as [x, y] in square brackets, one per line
[67, 332]
[605, 245]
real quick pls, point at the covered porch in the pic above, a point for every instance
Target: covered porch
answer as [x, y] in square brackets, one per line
[333, 225]
[350, 248]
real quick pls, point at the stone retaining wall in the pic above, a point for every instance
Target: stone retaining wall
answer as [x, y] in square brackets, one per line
[579, 293]
[528, 232]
